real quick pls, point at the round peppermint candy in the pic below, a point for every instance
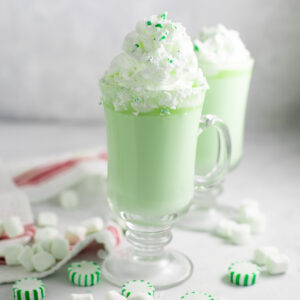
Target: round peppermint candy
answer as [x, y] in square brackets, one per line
[243, 273]
[29, 289]
[133, 287]
[84, 273]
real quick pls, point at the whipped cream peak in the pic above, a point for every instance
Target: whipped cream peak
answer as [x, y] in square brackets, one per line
[218, 48]
[157, 68]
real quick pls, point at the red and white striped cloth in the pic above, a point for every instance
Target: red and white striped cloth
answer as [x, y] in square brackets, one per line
[46, 178]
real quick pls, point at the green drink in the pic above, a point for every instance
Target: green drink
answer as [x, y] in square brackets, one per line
[227, 99]
[151, 161]
[153, 96]
[227, 65]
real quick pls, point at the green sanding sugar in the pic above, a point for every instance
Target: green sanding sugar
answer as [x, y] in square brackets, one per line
[158, 25]
[163, 16]
[149, 23]
[196, 48]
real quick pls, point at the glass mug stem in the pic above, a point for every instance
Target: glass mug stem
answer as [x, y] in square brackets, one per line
[148, 242]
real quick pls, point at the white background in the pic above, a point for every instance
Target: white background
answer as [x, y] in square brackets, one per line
[53, 52]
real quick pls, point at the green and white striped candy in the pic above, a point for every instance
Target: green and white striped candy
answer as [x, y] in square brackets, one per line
[243, 273]
[137, 287]
[197, 296]
[29, 289]
[84, 273]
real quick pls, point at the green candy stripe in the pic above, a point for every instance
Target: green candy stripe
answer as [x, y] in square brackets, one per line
[237, 279]
[73, 277]
[42, 289]
[246, 279]
[253, 279]
[19, 295]
[231, 276]
[27, 295]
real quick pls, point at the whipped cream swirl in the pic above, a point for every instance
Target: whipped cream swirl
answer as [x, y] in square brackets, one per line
[218, 48]
[157, 69]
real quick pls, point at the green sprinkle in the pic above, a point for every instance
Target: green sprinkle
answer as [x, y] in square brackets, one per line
[196, 48]
[163, 16]
[162, 38]
[158, 25]
[170, 60]
[137, 45]
[149, 23]
[164, 111]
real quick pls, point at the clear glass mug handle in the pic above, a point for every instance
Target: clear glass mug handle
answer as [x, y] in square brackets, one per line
[219, 170]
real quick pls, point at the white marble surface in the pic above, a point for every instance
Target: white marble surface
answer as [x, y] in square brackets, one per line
[269, 172]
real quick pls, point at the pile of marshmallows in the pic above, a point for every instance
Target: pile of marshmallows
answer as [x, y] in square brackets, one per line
[249, 220]
[48, 246]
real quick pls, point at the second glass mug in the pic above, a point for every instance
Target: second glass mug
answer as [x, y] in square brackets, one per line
[151, 166]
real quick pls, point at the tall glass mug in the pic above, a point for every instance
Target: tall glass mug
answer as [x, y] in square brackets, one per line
[227, 99]
[151, 167]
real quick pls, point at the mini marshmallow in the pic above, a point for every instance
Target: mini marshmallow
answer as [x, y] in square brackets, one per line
[140, 296]
[81, 297]
[245, 213]
[11, 254]
[68, 199]
[25, 257]
[13, 226]
[60, 248]
[36, 248]
[102, 254]
[47, 233]
[241, 234]
[46, 245]
[75, 234]
[277, 263]
[261, 254]
[253, 216]
[258, 223]
[46, 219]
[113, 295]
[93, 225]
[43, 261]
[224, 228]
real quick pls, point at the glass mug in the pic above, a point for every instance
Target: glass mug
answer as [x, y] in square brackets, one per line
[151, 168]
[226, 98]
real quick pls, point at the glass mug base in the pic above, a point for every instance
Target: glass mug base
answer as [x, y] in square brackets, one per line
[143, 255]
[204, 212]
[165, 271]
